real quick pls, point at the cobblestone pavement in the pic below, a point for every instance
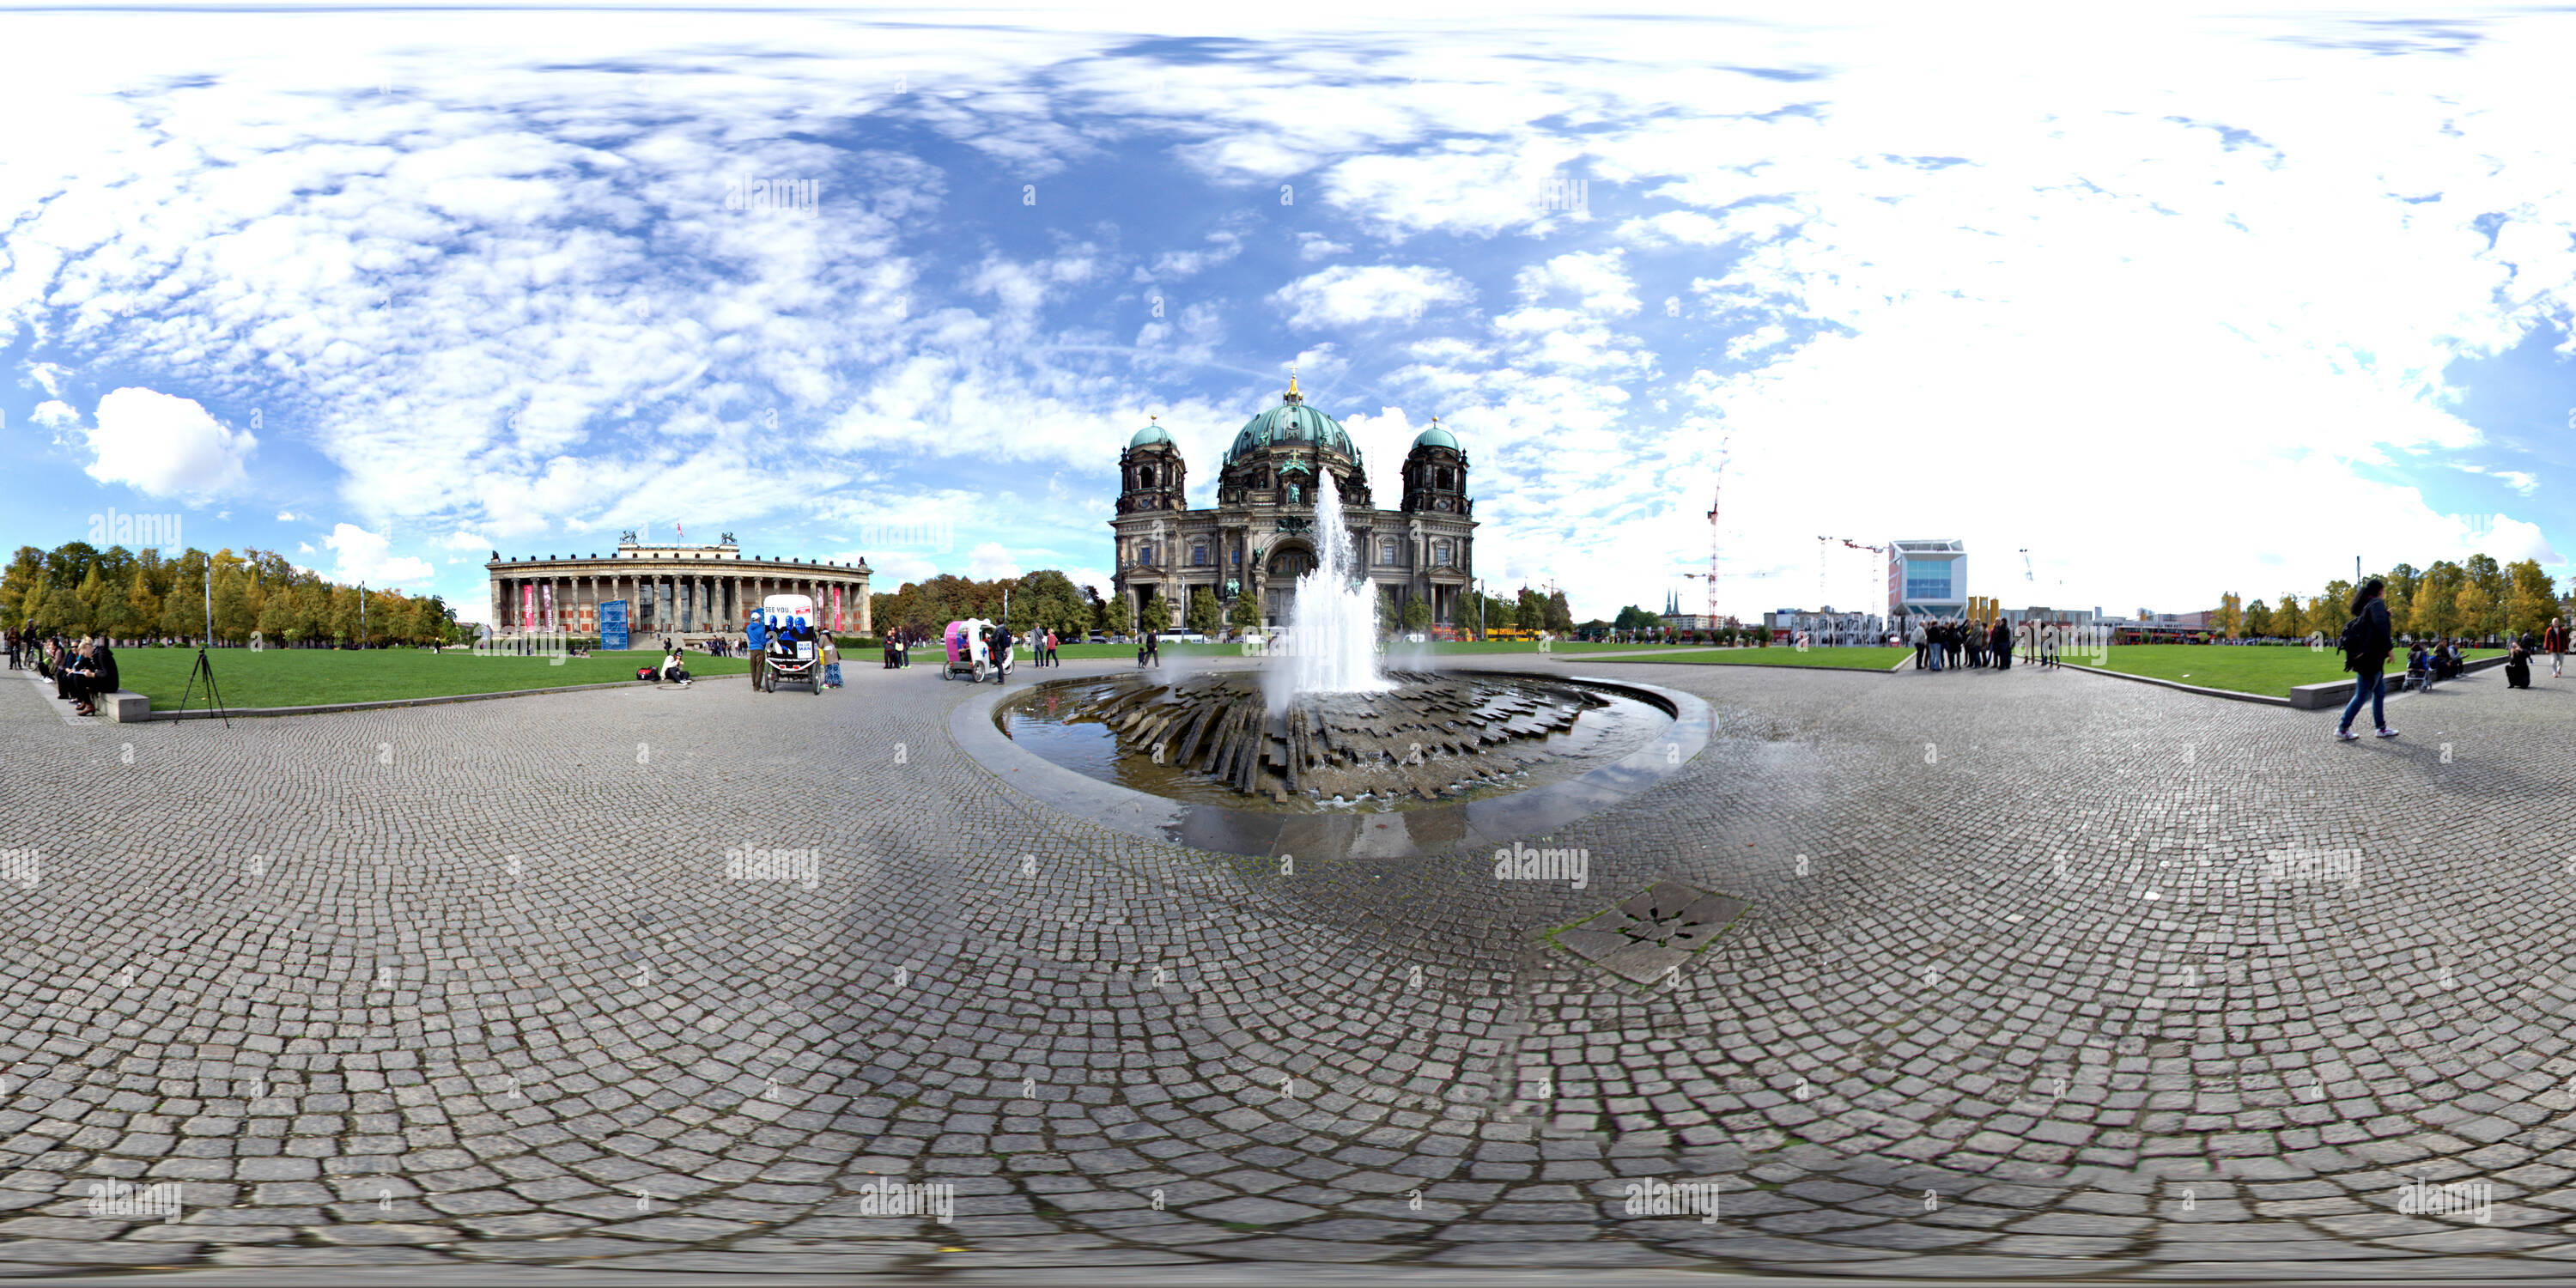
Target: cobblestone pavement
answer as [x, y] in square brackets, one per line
[2043, 974]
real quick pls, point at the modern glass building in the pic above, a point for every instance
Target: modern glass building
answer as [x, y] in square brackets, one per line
[1927, 577]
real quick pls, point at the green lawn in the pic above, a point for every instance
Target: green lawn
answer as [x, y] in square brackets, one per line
[313, 677]
[2268, 670]
[1850, 659]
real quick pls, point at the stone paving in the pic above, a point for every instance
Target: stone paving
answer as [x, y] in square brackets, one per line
[2041, 974]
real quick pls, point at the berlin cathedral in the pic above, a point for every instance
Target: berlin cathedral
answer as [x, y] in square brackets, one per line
[1260, 537]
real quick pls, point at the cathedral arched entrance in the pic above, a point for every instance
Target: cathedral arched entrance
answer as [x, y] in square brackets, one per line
[1284, 563]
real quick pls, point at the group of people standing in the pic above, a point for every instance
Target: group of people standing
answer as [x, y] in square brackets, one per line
[1957, 644]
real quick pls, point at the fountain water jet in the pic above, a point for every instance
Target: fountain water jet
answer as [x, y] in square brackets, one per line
[1332, 626]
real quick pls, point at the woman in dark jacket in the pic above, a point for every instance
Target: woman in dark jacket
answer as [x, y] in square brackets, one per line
[2371, 640]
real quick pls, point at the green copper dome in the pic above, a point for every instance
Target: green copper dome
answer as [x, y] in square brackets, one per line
[1436, 437]
[1149, 436]
[1292, 424]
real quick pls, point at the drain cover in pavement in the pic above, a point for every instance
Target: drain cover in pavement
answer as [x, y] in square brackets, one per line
[1651, 932]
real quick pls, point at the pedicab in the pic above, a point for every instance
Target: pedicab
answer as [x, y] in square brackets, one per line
[792, 657]
[970, 655]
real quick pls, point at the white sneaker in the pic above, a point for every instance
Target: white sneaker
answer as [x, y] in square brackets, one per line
[2347, 735]
[2387, 733]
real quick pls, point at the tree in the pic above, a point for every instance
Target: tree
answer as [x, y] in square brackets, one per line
[2532, 603]
[1122, 618]
[64, 613]
[114, 614]
[1155, 615]
[343, 621]
[145, 604]
[2436, 610]
[1243, 613]
[2474, 608]
[1532, 610]
[182, 612]
[2258, 620]
[2231, 614]
[1047, 598]
[26, 572]
[235, 617]
[2327, 612]
[2287, 619]
[1560, 615]
[1204, 616]
[1633, 618]
[1417, 614]
[278, 619]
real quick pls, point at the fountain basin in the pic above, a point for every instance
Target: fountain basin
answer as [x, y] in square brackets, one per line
[1233, 739]
[1676, 728]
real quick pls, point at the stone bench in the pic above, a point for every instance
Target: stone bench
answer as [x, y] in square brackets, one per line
[124, 706]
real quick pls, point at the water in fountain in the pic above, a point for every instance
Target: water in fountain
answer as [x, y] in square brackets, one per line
[1332, 626]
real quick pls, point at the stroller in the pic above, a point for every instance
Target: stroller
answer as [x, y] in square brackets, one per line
[792, 659]
[969, 653]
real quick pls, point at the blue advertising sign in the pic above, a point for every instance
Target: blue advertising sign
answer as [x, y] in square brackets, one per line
[612, 625]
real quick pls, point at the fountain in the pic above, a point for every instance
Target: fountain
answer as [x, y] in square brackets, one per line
[1320, 726]
[1332, 626]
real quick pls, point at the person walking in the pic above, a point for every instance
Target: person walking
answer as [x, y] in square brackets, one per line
[1001, 650]
[2552, 641]
[2367, 641]
[1918, 637]
[755, 634]
[1153, 647]
[2001, 643]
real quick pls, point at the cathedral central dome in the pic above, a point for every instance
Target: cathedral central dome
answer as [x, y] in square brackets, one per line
[1292, 425]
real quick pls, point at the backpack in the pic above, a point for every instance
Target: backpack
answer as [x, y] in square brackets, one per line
[2351, 638]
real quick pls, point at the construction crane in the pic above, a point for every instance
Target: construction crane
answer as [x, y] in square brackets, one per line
[2026, 573]
[1717, 493]
[1825, 543]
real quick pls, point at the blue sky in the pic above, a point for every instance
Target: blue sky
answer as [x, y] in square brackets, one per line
[2215, 302]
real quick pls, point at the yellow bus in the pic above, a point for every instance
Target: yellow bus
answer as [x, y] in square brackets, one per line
[1511, 633]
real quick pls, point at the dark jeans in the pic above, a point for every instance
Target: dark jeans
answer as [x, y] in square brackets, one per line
[1918, 656]
[2371, 686]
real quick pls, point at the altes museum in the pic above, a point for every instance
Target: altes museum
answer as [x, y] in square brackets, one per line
[1259, 537]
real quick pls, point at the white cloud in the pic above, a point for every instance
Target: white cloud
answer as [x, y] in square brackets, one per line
[53, 413]
[164, 445]
[1312, 246]
[1597, 281]
[366, 557]
[991, 560]
[1343, 296]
